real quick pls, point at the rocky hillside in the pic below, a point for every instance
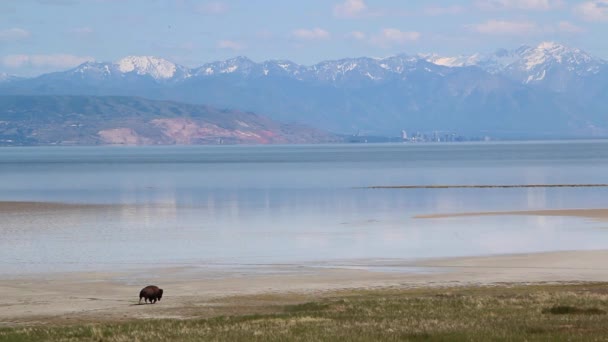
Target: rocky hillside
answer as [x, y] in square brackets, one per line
[90, 120]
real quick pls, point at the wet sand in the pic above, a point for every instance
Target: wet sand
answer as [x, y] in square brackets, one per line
[7, 207]
[597, 214]
[204, 291]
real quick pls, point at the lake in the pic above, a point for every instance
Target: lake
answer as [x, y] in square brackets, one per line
[242, 206]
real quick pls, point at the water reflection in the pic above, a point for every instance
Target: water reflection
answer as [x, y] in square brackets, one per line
[289, 204]
[287, 226]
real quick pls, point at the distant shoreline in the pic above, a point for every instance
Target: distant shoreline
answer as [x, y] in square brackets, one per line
[32, 206]
[598, 214]
[486, 186]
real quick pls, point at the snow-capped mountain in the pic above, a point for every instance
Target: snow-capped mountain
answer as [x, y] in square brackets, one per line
[556, 63]
[457, 61]
[238, 65]
[550, 64]
[529, 65]
[283, 68]
[336, 71]
[518, 92]
[4, 77]
[350, 71]
[494, 62]
[158, 69]
[94, 70]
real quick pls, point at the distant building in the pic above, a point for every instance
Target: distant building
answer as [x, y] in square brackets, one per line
[403, 135]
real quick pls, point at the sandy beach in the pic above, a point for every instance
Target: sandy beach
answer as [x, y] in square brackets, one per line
[93, 297]
[201, 291]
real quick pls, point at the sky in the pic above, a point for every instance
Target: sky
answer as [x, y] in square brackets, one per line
[39, 36]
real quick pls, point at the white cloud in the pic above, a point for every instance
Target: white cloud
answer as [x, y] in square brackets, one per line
[13, 34]
[230, 45]
[568, 27]
[505, 27]
[314, 34]
[542, 5]
[44, 61]
[392, 36]
[593, 10]
[215, 7]
[350, 9]
[439, 10]
[357, 35]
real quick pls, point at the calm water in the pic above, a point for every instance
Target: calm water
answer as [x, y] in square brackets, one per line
[235, 205]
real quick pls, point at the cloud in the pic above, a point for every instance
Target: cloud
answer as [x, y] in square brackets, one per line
[357, 35]
[44, 61]
[542, 5]
[515, 28]
[314, 34]
[13, 34]
[230, 45]
[505, 27]
[567, 27]
[593, 10]
[391, 36]
[215, 7]
[439, 10]
[350, 9]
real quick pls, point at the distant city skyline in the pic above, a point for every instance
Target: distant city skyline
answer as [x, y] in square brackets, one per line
[39, 36]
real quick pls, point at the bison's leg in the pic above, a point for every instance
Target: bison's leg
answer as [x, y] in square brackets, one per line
[153, 300]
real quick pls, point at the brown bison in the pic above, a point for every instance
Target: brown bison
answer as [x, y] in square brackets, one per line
[151, 293]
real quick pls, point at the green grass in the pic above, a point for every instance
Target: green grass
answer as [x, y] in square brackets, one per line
[532, 313]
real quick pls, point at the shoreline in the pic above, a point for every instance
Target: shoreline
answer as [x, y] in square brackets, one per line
[487, 186]
[84, 297]
[8, 207]
[600, 214]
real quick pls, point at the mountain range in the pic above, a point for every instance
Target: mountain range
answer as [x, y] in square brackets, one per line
[544, 91]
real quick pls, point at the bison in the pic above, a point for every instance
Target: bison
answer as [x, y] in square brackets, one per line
[151, 293]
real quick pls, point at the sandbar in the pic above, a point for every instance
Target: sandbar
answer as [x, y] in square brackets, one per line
[25, 206]
[597, 214]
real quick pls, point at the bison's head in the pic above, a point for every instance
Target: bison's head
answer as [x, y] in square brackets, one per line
[160, 294]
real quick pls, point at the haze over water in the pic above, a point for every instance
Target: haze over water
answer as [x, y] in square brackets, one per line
[248, 205]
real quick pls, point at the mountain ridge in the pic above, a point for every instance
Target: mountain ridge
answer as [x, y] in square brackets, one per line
[500, 60]
[549, 90]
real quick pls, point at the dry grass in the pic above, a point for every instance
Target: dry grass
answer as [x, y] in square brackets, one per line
[538, 312]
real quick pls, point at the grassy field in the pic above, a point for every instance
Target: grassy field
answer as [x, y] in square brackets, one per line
[517, 313]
